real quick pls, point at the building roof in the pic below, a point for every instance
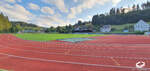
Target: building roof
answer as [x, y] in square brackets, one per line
[106, 26]
[142, 22]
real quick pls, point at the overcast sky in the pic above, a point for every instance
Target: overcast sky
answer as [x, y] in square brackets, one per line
[48, 13]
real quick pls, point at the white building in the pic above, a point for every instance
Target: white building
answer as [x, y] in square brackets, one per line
[106, 28]
[77, 29]
[141, 26]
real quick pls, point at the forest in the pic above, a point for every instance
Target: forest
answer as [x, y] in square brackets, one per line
[119, 16]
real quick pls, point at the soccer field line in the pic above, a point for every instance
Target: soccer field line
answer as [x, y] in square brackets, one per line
[69, 62]
[118, 57]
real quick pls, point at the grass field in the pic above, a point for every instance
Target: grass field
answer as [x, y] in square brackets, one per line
[48, 37]
[3, 70]
[121, 27]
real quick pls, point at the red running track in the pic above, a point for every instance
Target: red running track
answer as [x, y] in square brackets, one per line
[105, 53]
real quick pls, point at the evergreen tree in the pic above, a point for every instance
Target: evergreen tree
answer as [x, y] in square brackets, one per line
[134, 7]
[112, 11]
[138, 7]
[118, 11]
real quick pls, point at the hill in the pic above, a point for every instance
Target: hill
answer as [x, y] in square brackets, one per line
[120, 19]
[20, 26]
[23, 24]
[120, 16]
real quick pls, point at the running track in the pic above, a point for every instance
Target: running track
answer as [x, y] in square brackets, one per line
[105, 53]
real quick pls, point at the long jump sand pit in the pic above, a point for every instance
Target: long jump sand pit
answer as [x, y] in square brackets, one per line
[104, 53]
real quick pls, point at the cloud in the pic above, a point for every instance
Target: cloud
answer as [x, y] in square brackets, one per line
[19, 0]
[89, 17]
[43, 21]
[86, 4]
[58, 3]
[47, 10]
[15, 12]
[75, 0]
[33, 6]
[80, 19]
[48, 21]
[10, 1]
[115, 2]
[49, 17]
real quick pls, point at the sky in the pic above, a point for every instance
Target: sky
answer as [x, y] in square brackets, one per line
[47, 13]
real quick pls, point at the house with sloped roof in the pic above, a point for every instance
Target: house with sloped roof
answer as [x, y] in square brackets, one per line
[105, 28]
[141, 26]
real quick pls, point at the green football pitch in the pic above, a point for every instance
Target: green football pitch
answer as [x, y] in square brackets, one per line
[48, 37]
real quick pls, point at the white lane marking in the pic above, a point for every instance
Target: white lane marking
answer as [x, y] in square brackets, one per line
[69, 62]
[110, 49]
[82, 44]
[119, 57]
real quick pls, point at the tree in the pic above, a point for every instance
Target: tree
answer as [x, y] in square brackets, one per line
[13, 29]
[68, 29]
[118, 11]
[123, 11]
[112, 11]
[134, 7]
[138, 7]
[79, 22]
[122, 18]
[18, 27]
[5, 25]
[58, 29]
[146, 5]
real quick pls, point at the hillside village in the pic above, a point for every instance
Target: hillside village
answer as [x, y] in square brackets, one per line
[133, 19]
[140, 26]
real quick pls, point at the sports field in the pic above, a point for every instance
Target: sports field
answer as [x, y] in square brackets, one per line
[48, 37]
[3, 70]
[103, 53]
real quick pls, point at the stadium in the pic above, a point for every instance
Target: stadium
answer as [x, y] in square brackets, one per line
[102, 53]
[75, 35]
